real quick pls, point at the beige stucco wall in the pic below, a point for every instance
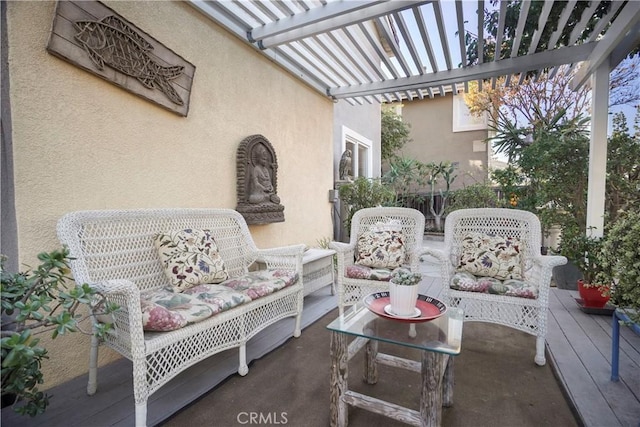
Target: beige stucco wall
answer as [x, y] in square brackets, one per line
[434, 141]
[83, 143]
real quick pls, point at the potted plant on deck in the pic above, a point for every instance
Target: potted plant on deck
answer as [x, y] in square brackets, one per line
[586, 253]
[36, 301]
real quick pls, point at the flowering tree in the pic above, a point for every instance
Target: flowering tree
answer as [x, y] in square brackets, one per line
[534, 102]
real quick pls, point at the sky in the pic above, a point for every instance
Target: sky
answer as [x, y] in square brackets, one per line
[450, 25]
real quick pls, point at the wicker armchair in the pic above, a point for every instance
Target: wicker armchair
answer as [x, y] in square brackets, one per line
[527, 314]
[409, 223]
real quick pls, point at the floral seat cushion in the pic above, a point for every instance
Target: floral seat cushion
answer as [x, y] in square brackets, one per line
[464, 281]
[219, 297]
[258, 284]
[163, 310]
[491, 256]
[368, 273]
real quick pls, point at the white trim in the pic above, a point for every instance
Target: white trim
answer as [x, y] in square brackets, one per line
[598, 150]
[355, 138]
[463, 120]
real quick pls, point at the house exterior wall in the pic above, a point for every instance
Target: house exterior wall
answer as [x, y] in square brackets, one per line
[363, 119]
[80, 142]
[433, 139]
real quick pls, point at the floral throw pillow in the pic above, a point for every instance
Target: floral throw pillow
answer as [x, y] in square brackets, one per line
[491, 256]
[190, 257]
[379, 248]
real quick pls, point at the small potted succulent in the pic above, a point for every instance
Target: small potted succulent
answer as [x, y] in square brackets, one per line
[620, 255]
[403, 291]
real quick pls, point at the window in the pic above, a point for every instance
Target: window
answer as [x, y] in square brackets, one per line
[463, 120]
[361, 153]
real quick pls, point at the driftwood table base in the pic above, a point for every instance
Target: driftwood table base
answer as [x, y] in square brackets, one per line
[435, 369]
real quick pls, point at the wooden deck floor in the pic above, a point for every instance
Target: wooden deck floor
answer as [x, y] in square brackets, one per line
[578, 346]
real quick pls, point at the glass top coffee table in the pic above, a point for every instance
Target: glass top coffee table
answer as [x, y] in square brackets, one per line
[437, 340]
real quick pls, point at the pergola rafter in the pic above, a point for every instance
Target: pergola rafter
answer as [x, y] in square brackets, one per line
[367, 51]
[409, 42]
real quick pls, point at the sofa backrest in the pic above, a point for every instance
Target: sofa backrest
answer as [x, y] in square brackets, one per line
[118, 244]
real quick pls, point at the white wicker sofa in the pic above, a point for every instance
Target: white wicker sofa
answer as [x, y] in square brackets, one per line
[116, 252]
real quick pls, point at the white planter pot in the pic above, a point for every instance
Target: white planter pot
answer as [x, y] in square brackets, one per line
[403, 299]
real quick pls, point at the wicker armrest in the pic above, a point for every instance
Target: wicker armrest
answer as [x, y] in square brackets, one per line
[125, 294]
[549, 261]
[345, 253]
[540, 274]
[436, 253]
[341, 247]
[114, 287]
[287, 257]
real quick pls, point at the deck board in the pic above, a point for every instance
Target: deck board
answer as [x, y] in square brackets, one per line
[585, 367]
[569, 348]
[578, 347]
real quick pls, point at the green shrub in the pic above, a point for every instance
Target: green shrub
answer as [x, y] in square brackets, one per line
[585, 252]
[621, 262]
[479, 195]
[364, 193]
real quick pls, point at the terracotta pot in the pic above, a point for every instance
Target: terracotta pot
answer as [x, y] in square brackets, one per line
[592, 296]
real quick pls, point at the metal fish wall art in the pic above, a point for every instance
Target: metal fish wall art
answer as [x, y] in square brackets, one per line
[112, 42]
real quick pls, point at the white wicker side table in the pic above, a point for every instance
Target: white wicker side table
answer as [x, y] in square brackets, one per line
[318, 270]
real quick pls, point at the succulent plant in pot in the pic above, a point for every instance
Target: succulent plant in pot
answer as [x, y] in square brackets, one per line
[585, 251]
[36, 301]
[403, 276]
[621, 263]
[403, 291]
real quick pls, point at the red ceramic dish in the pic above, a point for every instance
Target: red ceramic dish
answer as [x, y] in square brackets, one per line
[430, 308]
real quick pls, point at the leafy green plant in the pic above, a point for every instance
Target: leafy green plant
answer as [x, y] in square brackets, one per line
[364, 193]
[621, 262]
[37, 301]
[585, 252]
[552, 160]
[511, 180]
[623, 167]
[446, 171]
[404, 176]
[479, 195]
[394, 133]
